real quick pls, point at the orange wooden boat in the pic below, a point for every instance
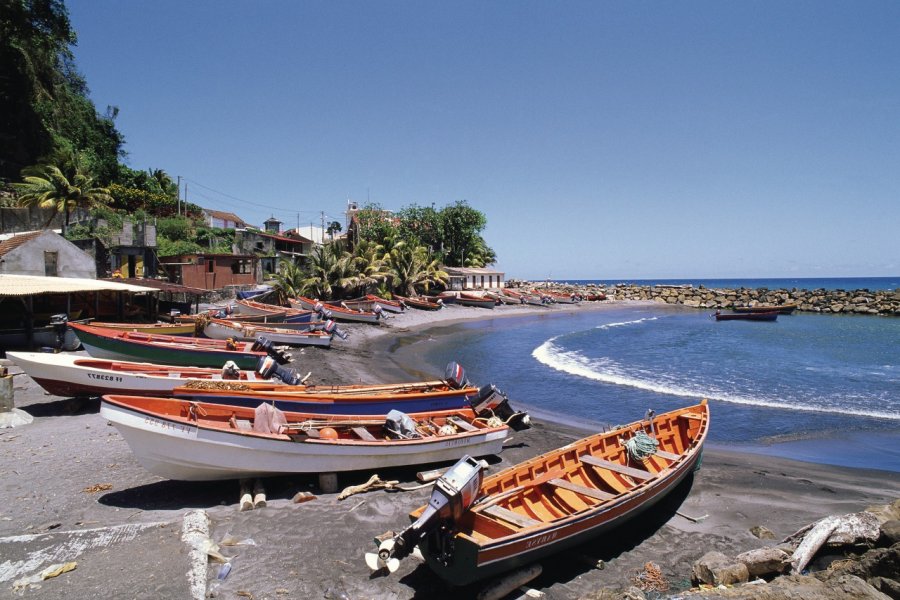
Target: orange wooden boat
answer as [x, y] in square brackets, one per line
[549, 503]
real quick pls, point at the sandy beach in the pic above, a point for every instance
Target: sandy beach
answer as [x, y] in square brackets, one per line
[73, 491]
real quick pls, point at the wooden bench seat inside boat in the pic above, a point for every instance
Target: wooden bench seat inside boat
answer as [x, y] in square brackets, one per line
[611, 466]
[580, 489]
[363, 434]
[694, 416]
[462, 424]
[667, 455]
[504, 514]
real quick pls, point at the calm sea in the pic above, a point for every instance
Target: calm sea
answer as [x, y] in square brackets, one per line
[821, 388]
[827, 283]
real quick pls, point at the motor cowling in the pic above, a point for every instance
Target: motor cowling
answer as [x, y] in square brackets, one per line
[331, 328]
[269, 368]
[277, 352]
[491, 402]
[455, 376]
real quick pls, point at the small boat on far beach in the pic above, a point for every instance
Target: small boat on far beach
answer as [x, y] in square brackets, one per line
[783, 309]
[477, 301]
[198, 441]
[747, 316]
[338, 313]
[473, 528]
[421, 302]
[223, 329]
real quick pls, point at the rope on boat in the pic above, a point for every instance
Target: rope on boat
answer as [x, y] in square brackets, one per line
[641, 446]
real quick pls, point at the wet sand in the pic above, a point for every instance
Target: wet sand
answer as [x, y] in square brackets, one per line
[73, 491]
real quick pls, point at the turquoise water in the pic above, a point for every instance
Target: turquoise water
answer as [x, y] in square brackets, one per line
[817, 387]
[803, 283]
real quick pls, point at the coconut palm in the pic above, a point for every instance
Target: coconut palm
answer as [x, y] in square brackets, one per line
[367, 267]
[413, 266]
[46, 186]
[326, 272]
[288, 280]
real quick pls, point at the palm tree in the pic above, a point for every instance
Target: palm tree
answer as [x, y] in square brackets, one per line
[288, 280]
[367, 267]
[333, 227]
[409, 267]
[46, 186]
[326, 272]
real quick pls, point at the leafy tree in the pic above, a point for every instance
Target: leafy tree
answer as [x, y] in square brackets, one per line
[374, 223]
[423, 226]
[462, 228]
[167, 247]
[47, 187]
[174, 228]
[44, 104]
[333, 227]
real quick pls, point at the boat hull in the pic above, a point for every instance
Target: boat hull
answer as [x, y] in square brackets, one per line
[73, 376]
[567, 496]
[749, 316]
[337, 313]
[124, 348]
[179, 449]
[246, 332]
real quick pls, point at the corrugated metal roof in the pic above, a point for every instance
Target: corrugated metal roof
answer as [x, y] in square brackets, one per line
[26, 285]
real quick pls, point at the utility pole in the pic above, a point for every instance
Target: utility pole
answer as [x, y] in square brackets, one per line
[323, 226]
[178, 195]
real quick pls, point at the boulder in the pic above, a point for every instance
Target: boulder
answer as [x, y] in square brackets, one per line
[762, 533]
[764, 562]
[714, 568]
[890, 532]
[799, 587]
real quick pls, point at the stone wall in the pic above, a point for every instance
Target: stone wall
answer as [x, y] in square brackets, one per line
[881, 302]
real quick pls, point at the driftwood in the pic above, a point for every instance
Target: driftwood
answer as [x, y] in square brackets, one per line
[852, 529]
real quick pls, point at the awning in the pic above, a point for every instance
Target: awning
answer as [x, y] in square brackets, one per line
[27, 285]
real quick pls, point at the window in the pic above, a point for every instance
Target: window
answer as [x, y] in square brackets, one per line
[51, 260]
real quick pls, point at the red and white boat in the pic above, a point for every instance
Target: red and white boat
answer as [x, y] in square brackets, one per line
[338, 313]
[223, 329]
[197, 441]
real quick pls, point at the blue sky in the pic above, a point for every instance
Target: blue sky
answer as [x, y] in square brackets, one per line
[601, 139]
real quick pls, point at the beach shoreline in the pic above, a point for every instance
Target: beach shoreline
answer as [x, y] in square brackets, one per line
[69, 473]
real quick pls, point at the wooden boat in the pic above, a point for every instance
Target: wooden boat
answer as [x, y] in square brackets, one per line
[291, 315]
[368, 303]
[477, 301]
[222, 329]
[75, 375]
[553, 501]
[167, 349]
[560, 298]
[784, 309]
[749, 316]
[198, 441]
[182, 328]
[421, 303]
[337, 313]
[502, 298]
[529, 298]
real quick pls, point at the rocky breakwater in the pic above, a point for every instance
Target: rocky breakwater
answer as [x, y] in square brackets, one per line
[880, 302]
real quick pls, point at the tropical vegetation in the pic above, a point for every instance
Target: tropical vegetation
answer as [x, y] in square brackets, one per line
[61, 155]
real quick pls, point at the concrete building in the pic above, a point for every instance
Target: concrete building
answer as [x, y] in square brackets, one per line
[222, 219]
[469, 278]
[44, 253]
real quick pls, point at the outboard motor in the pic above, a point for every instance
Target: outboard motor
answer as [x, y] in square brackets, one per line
[268, 367]
[230, 371]
[453, 494]
[379, 312]
[331, 328]
[277, 352]
[491, 402]
[455, 376]
[60, 324]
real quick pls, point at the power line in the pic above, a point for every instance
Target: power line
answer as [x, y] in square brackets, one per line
[277, 208]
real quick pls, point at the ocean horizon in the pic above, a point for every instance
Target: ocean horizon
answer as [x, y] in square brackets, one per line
[819, 388]
[800, 283]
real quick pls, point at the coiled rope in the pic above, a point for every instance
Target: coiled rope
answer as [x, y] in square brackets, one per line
[641, 446]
